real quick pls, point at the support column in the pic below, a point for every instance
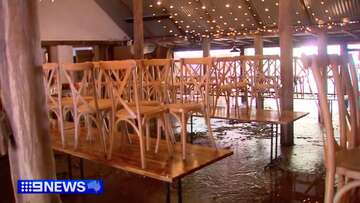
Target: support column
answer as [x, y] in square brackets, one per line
[101, 52]
[206, 47]
[138, 27]
[29, 147]
[244, 98]
[286, 69]
[61, 54]
[258, 45]
[322, 51]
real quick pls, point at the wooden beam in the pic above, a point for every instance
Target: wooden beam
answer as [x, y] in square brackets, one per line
[138, 28]
[147, 30]
[350, 34]
[286, 69]
[259, 47]
[206, 47]
[253, 12]
[307, 12]
[150, 18]
[21, 81]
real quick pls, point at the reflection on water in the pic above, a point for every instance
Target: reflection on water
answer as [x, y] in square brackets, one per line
[238, 178]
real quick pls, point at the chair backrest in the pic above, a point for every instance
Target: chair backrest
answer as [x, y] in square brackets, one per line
[52, 83]
[121, 82]
[154, 77]
[195, 73]
[80, 77]
[227, 71]
[348, 106]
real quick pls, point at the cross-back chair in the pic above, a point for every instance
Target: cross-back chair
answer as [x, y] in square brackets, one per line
[194, 95]
[154, 91]
[52, 84]
[265, 79]
[122, 81]
[230, 82]
[80, 77]
[342, 158]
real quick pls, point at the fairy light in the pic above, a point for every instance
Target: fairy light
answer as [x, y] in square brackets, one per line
[240, 23]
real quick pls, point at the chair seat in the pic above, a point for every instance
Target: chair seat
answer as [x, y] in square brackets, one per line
[348, 159]
[184, 107]
[145, 111]
[65, 101]
[103, 104]
[146, 103]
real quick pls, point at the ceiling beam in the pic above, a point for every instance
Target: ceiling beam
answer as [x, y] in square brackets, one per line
[130, 11]
[150, 18]
[307, 12]
[253, 12]
[351, 34]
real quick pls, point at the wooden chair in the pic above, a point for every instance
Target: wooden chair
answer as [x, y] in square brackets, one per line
[343, 158]
[122, 80]
[194, 95]
[230, 82]
[154, 77]
[80, 77]
[52, 84]
[265, 79]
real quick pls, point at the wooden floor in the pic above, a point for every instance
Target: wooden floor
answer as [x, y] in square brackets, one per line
[126, 156]
[259, 115]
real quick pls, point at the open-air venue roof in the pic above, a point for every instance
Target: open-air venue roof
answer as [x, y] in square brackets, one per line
[183, 23]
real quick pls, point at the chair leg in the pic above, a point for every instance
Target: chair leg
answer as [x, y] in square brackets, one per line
[61, 124]
[147, 134]
[111, 141]
[169, 128]
[89, 128]
[183, 134]
[158, 134]
[329, 186]
[209, 133]
[77, 123]
[142, 149]
[167, 135]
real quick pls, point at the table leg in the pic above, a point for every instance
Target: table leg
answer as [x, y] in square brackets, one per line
[276, 140]
[69, 167]
[191, 129]
[179, 190]
[82, 168]
[271, 142]
[168, 192]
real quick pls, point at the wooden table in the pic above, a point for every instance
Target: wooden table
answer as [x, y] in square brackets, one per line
[271, 117]
[126, 157]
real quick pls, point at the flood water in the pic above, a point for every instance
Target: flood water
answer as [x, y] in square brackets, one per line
[241, 177]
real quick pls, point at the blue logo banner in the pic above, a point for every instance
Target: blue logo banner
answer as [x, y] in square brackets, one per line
[60, 186]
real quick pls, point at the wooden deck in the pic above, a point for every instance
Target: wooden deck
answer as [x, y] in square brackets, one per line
[159, 166]
[259, 115]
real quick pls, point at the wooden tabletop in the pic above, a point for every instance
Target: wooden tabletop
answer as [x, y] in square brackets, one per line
[160, 166]
[259, 115]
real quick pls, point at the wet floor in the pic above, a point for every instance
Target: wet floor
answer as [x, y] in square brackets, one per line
[238, 178]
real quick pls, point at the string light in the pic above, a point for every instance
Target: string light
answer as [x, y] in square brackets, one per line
[240, 23]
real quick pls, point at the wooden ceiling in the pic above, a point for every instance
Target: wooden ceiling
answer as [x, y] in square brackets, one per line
[184, 23]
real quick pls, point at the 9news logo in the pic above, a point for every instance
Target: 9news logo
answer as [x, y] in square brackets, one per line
[60, 186]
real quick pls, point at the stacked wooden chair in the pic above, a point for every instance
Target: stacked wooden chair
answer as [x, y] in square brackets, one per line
[123, 86]
[229, 82]
[265, 80]
[154, 77]
[342, 159]
[53, 89]
[193, 96]
[85, 102]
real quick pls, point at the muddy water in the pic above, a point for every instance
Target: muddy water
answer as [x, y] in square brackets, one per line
[239, 178]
